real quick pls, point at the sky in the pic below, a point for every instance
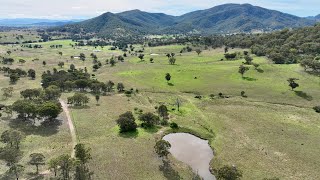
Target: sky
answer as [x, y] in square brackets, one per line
[83, 9]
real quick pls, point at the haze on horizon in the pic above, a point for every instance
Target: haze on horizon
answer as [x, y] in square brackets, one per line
[81, 9]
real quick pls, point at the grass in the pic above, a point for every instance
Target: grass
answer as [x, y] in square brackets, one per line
[271, 133]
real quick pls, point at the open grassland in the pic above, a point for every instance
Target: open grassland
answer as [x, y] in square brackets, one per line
[272, 133]
[19, 36]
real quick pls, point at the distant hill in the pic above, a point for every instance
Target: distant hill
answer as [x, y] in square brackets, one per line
[22, 22]
[227, 18]
[317, 18]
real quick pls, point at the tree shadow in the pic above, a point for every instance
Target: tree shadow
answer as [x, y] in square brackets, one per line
[34, 176]
[249, 79]
[152, 130]
[45, 128]
[260, 70]
[131, 134]
[79, 107]
[168, 171]
[304, 95]
[170, 84]
[6, 176]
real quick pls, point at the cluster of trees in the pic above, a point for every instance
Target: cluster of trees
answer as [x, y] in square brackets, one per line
[283, 47]
[74, 79]
[11, 153]
[311, 65]
[35, 46]
[38, 104]
[16, 74]
[126, 121]
[78, 99]
[67, 167]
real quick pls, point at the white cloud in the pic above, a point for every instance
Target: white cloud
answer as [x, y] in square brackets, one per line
[84, 8]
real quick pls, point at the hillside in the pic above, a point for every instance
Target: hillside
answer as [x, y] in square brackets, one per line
[228, 18]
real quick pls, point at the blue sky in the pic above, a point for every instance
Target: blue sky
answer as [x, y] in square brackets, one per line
[69, 9]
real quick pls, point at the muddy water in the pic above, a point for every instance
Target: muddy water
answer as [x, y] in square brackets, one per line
[193, 151]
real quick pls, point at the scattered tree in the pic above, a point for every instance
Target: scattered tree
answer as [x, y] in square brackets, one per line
[126, 122]
[162, 148]
[228, 173]
[243, 69]
[37, 159]
[292, 83]
[168, 77]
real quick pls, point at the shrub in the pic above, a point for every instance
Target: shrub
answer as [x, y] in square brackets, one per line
[174, 125]
[317, 109]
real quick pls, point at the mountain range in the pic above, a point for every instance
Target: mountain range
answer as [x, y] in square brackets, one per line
[227, 18]
[316, 18]
[222, 19]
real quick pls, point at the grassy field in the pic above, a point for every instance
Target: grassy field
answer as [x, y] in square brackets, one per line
[20, 36]
[272, 133]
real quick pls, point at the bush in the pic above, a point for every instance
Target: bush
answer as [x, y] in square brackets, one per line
[149, 119]
[174, 125]
[317, 109]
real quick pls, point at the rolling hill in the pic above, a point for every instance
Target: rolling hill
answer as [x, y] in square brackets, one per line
[227, 18]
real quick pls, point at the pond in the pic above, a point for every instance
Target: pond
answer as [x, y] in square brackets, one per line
[193, 151]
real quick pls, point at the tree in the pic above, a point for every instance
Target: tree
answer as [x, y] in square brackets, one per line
[44, 63]
[198, 51]
[149, 119]
[162, 148]
[248, 59]
[120, 87]
[163, 111]
[53, 165]
[141, 56]
[172, 60]
[61, 64]
[97, 98]
[226, 49]
[17, 170]
[126, 122]
[168, 77]
[112, 62]
[292, 83]
[72, 67]
[82, 153]
[22, 61]
[66, 163]
[60, 53]
[51, 93]
[243, 69]
[32, 74]
[37, 159]
[9, 52]
[82, 57]
[7, 92]
[14, 77]
[228, 173]
[10, 155]
[31, 93]
[12, 137]
[50, 110]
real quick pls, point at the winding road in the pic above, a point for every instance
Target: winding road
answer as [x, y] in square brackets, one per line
[70, 124]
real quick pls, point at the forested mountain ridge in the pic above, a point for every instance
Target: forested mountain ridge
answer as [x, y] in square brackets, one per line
[227, 18]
